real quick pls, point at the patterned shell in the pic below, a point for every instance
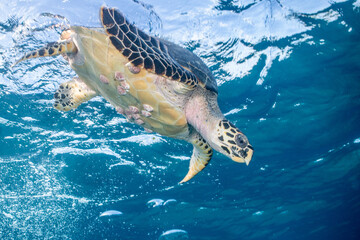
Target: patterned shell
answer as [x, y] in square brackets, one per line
[156, 55]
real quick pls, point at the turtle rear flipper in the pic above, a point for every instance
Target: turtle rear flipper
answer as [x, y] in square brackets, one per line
[143, 50]
[71, 94]
[51, 49]
[201, 156]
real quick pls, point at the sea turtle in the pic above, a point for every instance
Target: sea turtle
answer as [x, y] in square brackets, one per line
[153, 82]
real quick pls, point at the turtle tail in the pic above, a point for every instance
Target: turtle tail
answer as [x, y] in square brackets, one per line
[51, 49]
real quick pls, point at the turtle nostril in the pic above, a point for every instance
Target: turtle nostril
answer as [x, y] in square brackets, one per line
[241, 141]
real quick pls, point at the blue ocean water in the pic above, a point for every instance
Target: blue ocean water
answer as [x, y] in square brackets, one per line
[289, 77]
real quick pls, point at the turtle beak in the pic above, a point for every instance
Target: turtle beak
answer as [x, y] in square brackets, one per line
[249, 156]
[244, 155]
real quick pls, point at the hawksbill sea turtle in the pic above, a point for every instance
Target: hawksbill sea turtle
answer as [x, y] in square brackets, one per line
[153, 82]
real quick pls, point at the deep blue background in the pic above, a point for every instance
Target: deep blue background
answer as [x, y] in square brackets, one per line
[289, 77]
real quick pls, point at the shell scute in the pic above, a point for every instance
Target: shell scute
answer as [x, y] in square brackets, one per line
[146, 46]
[118, 44]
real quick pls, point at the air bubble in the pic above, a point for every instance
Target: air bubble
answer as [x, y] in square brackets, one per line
[155, 203]
[174, 234]
[111, 213]
[170, 202]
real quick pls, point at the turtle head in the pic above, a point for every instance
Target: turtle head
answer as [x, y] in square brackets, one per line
[233, 143]
[203, 113]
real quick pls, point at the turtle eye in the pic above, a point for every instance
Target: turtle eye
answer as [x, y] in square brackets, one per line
[241, 141]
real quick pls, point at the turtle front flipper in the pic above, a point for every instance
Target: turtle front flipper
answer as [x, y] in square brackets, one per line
[51, 49]
[201, 156]
[142, 50]
[71, 94]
